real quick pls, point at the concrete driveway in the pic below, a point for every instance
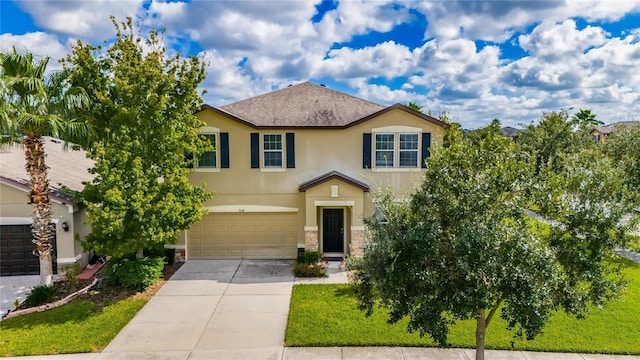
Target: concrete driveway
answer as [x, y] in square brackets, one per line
[14, 288]
[212, 309]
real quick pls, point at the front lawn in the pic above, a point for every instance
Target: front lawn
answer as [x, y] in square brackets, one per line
[72, 328]
[326, 315]
[86, 324]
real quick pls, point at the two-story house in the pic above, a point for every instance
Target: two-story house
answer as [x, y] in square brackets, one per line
[293, 168]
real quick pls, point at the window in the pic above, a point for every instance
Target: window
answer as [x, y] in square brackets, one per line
[384, 150]
[397, 150]
[408, 150]
[272, 150]
[209, 159]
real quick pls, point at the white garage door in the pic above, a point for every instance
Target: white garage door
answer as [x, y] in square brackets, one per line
[244, 236]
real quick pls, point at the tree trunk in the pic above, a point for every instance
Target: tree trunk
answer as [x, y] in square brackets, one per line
[480, 332]
[41, 227]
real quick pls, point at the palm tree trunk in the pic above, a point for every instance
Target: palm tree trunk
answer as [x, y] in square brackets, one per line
[41, 227]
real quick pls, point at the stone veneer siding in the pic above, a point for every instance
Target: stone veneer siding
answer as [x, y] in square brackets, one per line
[311, 240]
[180, 255]
[356, 247]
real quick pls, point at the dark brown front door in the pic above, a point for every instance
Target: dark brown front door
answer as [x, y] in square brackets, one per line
[333, 230]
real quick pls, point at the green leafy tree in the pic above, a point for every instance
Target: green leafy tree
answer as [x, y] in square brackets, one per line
[462, 247]
[551, 140]
[32, 105]
[623, 148]
[414, 106]
[144, 105]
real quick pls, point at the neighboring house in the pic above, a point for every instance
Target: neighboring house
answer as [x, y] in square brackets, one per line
[510, 131]
[601, 132]
[293, 169]
[68, 168]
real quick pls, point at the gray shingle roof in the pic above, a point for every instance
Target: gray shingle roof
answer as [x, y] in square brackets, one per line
[302, 105]
[608, 129]
[66, 167]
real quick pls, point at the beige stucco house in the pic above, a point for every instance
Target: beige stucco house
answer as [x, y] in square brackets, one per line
[66, 167]
[294, 169]
[600, 133]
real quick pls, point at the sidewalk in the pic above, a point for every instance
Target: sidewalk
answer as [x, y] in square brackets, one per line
[345, 353]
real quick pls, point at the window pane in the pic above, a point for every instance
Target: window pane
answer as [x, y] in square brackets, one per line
[272, 159]
[408, 141]
[209, 159]
[408, 159]
[272, 142]
[384, 141]
[384, 158]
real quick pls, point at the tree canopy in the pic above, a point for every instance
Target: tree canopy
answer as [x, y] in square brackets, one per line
[464, 246]
[144, 103]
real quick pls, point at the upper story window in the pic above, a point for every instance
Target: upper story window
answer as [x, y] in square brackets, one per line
[396, 150]
[272, 150]
[408, 156]
[209, 159]
[385, 145]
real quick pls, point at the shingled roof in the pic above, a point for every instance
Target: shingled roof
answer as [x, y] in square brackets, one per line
[608, 129]
[66, 167]
[302, 105]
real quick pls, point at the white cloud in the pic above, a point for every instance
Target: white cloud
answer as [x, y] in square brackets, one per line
[81, 19]
[387, 60]
[559, 41]
[39, 44]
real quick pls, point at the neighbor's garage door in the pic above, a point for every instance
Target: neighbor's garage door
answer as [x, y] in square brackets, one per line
[16, 251]
[244, 236]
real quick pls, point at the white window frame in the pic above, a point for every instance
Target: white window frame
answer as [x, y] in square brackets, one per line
[416, 151]
[216, 133]
[392, 150]
[263, 151]
[396, 151]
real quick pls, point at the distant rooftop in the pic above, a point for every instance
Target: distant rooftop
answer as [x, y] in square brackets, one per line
[608, 129]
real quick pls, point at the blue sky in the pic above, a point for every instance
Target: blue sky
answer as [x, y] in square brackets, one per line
[474, 60]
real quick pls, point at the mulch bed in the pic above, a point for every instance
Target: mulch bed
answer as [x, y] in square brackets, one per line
[103, 292]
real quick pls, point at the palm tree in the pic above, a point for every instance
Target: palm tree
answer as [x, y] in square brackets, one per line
[33, 105]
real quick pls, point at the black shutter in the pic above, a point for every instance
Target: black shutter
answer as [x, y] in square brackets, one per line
[426, 144]
[255, 150]
[188, 159]
[291, 150]
[224, 150]
[366, 151]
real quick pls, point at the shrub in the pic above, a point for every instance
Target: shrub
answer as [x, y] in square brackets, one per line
[309, 257]
[309, 265]
[40, 294]
[309, 270]
[136, 274]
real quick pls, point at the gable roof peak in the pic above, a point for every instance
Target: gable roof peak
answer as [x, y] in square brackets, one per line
[302, 105]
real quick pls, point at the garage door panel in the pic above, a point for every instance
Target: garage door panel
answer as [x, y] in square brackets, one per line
[251, 236]
[16, 251]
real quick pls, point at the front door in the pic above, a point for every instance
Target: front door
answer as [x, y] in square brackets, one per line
[333, 230]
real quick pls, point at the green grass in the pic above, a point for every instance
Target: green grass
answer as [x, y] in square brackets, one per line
[72, 328]
[326, 315]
